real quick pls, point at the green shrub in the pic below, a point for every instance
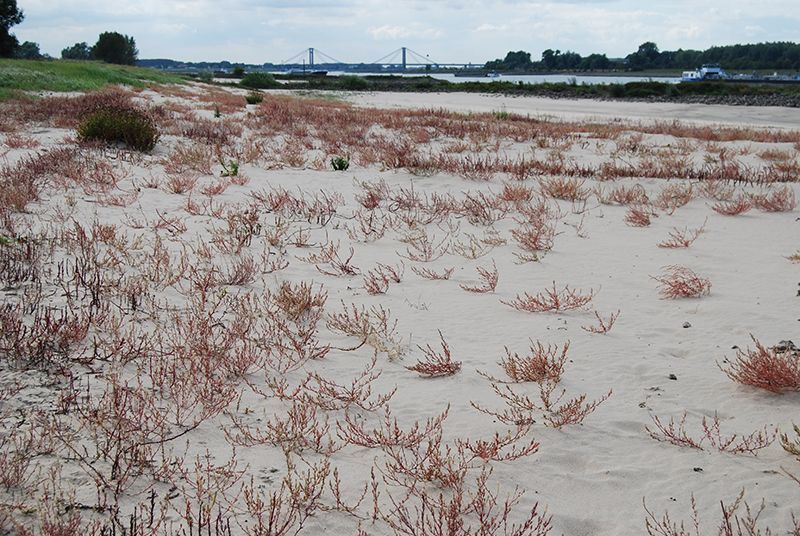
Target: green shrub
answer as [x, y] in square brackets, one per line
[254, 97]
[501, 114]
[231, 170]
[616, 90]
[353, 83]
[205, 76]
[340, 163]
[259, 81]
[131, 126]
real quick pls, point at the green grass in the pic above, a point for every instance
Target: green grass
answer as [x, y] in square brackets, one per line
[68, 75]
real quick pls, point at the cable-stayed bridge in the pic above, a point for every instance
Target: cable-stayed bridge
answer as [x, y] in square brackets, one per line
[397, 60]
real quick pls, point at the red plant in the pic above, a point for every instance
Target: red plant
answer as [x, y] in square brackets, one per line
[377, 281]
[422, 248]
[773, 369]
[436, 364]
[374, 284]
[535, 237]
[681, 282]
[733, 208]
[637, 217]
[673, 196]
[682, 238]
[427, 273]
[542, 364]
[553, 299]
[782, 200]
[604, 326]
[180, 184]
[329, 262]
[489, 277]
[623, 195]
[215, 188]
[569, 189]
[676, 434]
[389, 434]
[521, 410]
[515, 193]
[731, 523]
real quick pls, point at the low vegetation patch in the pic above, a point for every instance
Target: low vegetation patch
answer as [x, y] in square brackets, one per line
[132, 127]
[254, 97]
[67, 75]
[259, 81]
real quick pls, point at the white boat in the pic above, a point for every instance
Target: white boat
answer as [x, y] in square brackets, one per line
[709, 71]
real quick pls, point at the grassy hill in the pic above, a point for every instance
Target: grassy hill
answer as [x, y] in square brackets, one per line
[68, 75]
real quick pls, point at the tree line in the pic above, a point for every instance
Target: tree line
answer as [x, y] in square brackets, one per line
[111, 47]
[777, 56]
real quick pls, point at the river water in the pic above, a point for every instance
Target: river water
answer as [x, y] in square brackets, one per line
[532, 78]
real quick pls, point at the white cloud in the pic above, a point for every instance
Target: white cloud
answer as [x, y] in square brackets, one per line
[389, 33]
[258, 31]
[492, 28]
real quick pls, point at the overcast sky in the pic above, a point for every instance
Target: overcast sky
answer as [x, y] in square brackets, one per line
[258, 31]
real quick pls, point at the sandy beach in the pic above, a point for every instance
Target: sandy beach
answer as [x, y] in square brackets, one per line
[586, 109]
[505, 316]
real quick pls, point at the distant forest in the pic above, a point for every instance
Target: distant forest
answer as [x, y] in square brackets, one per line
[770, 56]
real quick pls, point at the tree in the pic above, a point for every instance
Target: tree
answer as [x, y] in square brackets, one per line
[514, 61]
[645, 58]
[10, 15]
[28, 51]
[78, 51]
[549, 58]
[113, 47]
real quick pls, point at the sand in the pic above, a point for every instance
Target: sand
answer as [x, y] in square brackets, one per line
[662, 358]
[587, 109]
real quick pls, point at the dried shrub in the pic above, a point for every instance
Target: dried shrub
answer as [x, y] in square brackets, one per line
[676, 434]
[489, 279]
[553, 299]
[624, 195]
[674, 196]
[637, 217]
[543, 363]
[130, 126]
[682, 238]
[254, 97]
[681, 282]
[522, 410]
[427, 273]
[733, 208]
[436, 364]
[782, 200]
[516, 193]
[774, 369]
[792, 446]
[568, 189]
[604, 326]
[732, 521]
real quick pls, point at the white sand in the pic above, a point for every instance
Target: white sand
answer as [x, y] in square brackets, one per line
[591, 477]
[586, 109]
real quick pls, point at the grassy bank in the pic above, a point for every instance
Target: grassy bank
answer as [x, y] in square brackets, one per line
[66, 75]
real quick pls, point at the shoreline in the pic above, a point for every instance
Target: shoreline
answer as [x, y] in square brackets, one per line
[580, 109]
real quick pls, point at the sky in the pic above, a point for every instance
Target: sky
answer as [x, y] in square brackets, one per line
[446, 31]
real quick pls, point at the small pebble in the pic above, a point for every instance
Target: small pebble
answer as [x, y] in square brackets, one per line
[673, 377]
[687, 325]
[698, 469]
